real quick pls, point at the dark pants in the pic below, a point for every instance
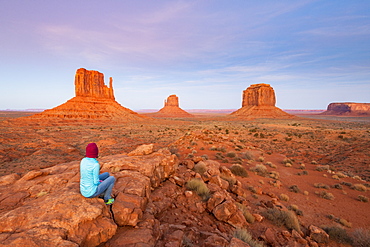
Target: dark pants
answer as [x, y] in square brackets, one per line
[105, 187]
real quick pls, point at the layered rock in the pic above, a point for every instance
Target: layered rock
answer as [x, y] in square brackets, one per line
[172, 109]
[45, 207]
[259, 102]
[90, 83]
[351, 109]
[93, 100]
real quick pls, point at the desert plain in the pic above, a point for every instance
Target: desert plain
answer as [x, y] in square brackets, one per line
[316, 166]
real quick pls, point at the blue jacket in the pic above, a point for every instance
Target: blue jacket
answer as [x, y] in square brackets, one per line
[89, 176]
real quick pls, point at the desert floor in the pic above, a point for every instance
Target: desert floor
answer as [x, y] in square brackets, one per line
[323, 162]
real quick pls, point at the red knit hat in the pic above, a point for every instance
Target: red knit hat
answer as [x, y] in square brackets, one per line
[92, 150]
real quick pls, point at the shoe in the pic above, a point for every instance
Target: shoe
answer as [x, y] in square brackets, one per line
[109, 202]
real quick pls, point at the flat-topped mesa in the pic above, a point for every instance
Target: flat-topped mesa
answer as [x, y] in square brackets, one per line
[348, 108]
[259, 95]
[90, 83]
[171, 108]
[259, 102]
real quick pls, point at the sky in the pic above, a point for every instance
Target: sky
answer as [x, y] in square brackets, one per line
[311, 52]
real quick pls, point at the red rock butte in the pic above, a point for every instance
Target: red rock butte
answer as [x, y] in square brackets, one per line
[259, 102]
[93, 100]
[348, 109]
[171, 108]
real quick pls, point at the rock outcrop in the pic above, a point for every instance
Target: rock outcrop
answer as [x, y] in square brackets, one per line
[93, 101]
[45, 208]
[348, 109]
[90, 83]
[259, 102]
[172, 109]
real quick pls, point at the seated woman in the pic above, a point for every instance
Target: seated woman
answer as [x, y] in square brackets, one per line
[91, 183]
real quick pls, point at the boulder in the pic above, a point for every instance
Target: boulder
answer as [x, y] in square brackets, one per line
[45, 208]
[318, 235]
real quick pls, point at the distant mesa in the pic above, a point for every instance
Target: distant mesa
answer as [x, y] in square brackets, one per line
[93, 100]
[172, 109]
[348, 109]
[259, 102]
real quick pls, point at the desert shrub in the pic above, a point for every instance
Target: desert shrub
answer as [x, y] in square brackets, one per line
[284, 197]
[321, 185]
[200, 168]
[338, 234]
[361, 237]
[270, 164]
[260, 169]
[326, 195]
[337, 186]
[230, 180]
[238, 170]
[294, 188]
[346, 184]
[174, 150]
[274, 175]
[247, 215]
[282, 218]
[231, 155]
[261, 159]
[345, 223]
[341, 175]
[248, 155]
[199, 187]
[246, 237]
[252, 189]
[286, 160]
[335, 177]
[359, 187]
[219, 156]
[363, 198]
[190, 156]
[322, 168]
[295, 209]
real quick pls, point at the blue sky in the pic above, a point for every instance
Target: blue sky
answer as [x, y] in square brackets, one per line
[206, 52]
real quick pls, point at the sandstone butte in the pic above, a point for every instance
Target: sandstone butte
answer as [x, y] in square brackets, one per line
[259, 102]
[171, 108]
[348, 109]
[93, 101]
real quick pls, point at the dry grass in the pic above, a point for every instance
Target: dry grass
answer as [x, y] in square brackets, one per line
[282, 218]
[238, 170]
[247, 215]
[260, 170]
[361, 237]
[284, 197]
[246, 237]
[200, 168]
[359, 187]
[199, 187]
[338, 234]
